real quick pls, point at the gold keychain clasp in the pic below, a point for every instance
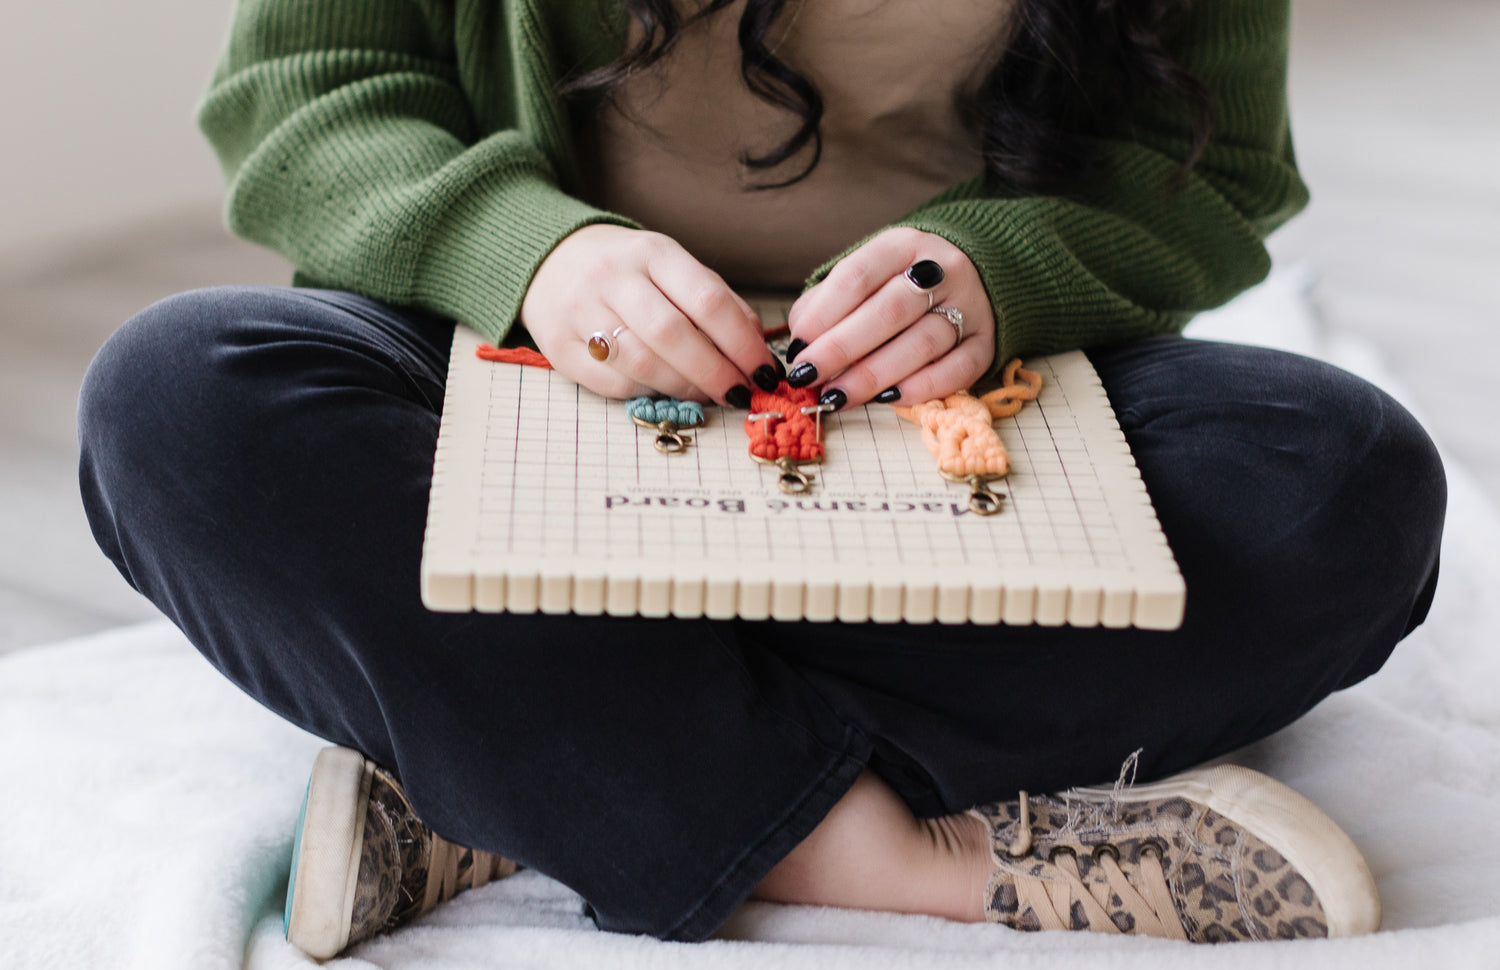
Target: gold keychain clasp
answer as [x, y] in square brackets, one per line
[669, 437]
[982, 501]
[792, 480]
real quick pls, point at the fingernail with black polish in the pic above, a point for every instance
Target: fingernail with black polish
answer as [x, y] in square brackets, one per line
[802, 375]
[780, 368]
[835, 397]
[888, 395]
[738, 396]
[765, 377]
[794, 348]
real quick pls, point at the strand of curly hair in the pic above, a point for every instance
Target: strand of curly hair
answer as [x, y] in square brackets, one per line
[1064, 69]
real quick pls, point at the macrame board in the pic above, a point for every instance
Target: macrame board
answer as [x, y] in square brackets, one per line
[546, 497]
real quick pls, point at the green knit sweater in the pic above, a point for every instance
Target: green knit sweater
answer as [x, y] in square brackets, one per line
[415, 151]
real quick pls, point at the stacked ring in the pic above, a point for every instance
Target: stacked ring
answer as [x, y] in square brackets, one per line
[604, 347]
[954, 316]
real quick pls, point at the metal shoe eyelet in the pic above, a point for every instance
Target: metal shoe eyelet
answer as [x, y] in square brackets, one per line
[1105, 849]
[1156, 845]
[1059, 850]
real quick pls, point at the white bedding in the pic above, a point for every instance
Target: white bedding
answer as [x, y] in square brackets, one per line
[146, 807]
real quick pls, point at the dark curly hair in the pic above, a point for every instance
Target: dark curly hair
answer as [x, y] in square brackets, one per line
[1066, 66]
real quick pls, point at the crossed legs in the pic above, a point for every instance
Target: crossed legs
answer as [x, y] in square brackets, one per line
[256, 462]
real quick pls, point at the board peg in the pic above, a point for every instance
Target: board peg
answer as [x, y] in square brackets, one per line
[766, 417]
[817, 411]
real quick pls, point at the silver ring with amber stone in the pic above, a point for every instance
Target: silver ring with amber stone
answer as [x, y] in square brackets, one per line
[605, 347]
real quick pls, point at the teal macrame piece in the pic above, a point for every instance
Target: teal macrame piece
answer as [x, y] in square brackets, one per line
[666, 416]
[653, 411]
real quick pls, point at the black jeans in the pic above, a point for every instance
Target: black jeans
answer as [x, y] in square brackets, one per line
[256, 462]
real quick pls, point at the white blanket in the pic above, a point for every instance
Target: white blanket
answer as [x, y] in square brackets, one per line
[146, 807]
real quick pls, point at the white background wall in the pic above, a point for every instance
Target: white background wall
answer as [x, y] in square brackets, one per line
[96, 113]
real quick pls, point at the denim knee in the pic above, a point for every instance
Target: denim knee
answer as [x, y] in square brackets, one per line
[131, 407]
[1304, 504]
[1361, 518]
[1398, 495]
[155, 365]
[1386, 517]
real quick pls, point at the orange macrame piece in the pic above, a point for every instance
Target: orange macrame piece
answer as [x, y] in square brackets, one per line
[957, 429]
[794, 435]
[512, 355]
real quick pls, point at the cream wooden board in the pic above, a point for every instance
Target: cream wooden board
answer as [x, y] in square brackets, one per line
[546, 497]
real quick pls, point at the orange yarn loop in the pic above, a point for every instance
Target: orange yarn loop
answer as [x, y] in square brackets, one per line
[794, 435]
[957, 429]
[512, 355]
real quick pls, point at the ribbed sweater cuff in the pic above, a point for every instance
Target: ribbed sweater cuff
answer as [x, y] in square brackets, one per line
[1044, 299]
[481, 255]
[1016, 291]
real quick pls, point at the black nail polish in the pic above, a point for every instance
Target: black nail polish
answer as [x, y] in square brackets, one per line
[888, 395]
[780, 368]
[765, 377]
[835, 397]
[794, 348]
[802, 375]
[738, 396]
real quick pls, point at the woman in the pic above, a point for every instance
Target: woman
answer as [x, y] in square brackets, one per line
[1063, 174]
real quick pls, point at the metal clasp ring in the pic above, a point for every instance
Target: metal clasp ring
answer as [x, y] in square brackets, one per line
[669, 437]
[982, 501]
[792, 480]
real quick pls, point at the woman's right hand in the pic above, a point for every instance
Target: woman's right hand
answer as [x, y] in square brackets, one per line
[686, 333]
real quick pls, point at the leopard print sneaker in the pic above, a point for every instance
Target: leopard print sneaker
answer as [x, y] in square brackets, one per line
[1211, 855]
[363, 863]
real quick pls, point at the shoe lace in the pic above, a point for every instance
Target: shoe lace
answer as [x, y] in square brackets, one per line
[452, 868]
[1051, 894]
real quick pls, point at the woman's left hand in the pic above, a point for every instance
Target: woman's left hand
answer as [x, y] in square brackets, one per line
[865, 329]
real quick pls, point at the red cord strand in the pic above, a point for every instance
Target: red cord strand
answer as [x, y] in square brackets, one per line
[512, 355]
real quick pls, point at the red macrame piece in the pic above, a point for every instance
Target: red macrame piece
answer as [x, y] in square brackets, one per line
[794, 435]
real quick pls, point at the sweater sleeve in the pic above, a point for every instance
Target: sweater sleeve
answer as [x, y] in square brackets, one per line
[1129, 252]
[351, 147]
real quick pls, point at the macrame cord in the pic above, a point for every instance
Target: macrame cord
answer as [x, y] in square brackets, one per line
[667, 416]
[785, 428]
[512, 355]
[958, 430]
